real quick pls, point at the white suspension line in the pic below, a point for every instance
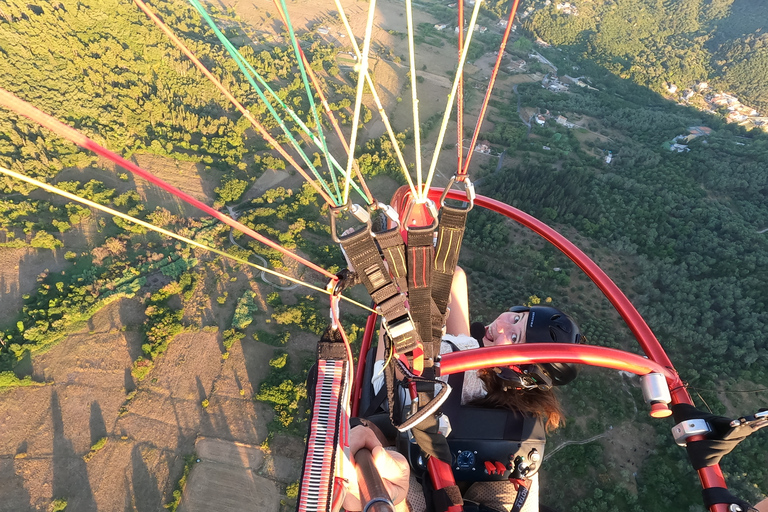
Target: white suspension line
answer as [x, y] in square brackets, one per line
[377, 100]
[451, 97]
[359, 97]
[152, 227]
[414, 96]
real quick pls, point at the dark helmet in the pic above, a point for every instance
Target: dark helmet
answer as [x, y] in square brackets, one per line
[550, 325]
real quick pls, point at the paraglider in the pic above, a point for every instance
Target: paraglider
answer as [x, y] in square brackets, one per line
[405, 254]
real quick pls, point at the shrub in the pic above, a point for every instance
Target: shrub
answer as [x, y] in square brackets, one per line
[45, 240]
[58, 505]
[244, 310]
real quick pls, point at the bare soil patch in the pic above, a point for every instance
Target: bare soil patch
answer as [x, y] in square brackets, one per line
[226, 487]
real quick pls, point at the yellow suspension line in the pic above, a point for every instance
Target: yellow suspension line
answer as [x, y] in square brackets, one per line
[63, 193]
[451, 97]
[377, 100]
[359, 97]
[414, 98]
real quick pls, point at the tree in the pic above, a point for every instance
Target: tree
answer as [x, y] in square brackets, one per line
[45, 240]
[232, 190]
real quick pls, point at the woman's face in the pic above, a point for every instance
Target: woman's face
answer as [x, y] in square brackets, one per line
[507, 329]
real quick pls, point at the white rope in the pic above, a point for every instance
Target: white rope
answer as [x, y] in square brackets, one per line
[377, 100]
[451, 97]
[359, 97]
[171, 234]
[414, 94]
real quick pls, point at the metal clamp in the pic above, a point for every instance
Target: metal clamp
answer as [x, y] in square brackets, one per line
[469, 188]
[357, 211]
[685, 429]
[389, 212]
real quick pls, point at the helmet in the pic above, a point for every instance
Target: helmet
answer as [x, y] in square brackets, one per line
[550, 325]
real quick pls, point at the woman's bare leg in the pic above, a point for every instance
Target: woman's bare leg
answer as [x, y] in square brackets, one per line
[458, 318]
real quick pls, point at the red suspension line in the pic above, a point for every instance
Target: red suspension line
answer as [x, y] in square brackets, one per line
[21, 107]
[463, 171]
[460, 98]
[326, 106]
[244, 111]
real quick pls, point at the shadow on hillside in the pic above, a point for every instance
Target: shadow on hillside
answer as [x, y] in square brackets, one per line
[146, 493]
[70, 475]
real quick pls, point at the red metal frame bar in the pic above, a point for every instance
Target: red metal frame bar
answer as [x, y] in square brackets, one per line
[509, 355]
[710, 476]
[357, 385]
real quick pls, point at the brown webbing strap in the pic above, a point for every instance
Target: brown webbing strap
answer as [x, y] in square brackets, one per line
[420, 255]
[449, 237]
[364, 255]
[393, 248]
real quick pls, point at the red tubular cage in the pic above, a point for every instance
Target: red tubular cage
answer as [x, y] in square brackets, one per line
[657, 360]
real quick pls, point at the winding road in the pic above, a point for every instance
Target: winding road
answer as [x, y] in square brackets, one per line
[568, 443]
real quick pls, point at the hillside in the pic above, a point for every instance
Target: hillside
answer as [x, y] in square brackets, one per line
[654, 44]
[127, 356]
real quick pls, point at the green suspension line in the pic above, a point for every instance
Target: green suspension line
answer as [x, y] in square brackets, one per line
[310, 95]
[249, 71]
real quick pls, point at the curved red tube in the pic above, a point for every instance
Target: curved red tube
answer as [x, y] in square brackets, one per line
[508, 355]
[709, 476]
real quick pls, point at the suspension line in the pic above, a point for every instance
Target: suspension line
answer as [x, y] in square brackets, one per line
[247, 70]
[464, 170]
[414, 98]
[171, 234]
[377, 100]
[359, 96]
[311, 99]
[449, 106]
[334, 122]
[25, 109]
[245, 112]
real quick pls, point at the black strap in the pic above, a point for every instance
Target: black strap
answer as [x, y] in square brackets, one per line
[523, 486]
[721, 439]
[449, 237]
[716, 495]
[364, 255]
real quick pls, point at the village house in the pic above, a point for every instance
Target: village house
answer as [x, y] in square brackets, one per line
[441, 26]
[567, 8]
[540, 120]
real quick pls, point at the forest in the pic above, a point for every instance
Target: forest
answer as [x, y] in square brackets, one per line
[654, 43]
[682, 233]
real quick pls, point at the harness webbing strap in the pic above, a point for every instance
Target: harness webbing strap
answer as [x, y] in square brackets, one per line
[449, 237]
[392, 246]
[364, 255]
[420, 256]
[328, 426]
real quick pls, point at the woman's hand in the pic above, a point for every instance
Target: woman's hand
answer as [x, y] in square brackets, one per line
[392, 467]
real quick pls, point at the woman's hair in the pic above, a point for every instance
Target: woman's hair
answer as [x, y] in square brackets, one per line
[536, 402]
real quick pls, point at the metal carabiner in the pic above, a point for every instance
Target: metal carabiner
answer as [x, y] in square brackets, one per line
[469, 188]
[356, 210]
[430, 205]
